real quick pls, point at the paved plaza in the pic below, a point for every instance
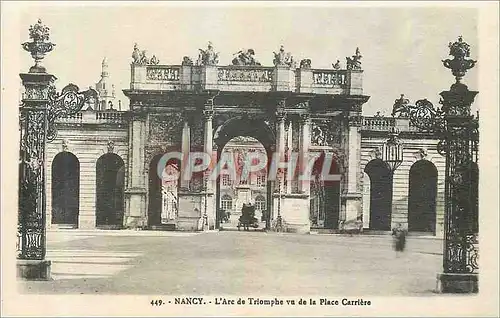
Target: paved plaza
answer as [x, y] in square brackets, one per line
[236, 263]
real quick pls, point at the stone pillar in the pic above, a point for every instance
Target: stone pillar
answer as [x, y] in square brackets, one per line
[209, 208]
[352, 193]
[289, 150]
[185, 149]
[279, 157]
[135, 193]
[280, 133]
[305, 140]
[208, 136]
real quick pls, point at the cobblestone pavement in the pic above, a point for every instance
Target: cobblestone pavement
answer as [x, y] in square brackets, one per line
[236, 263]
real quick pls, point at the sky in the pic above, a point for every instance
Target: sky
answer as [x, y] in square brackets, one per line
[402, 47]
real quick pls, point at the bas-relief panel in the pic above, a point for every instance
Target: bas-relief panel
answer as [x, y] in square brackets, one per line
[329, 133]
[165, 128]
[165, 134]
[326, 132]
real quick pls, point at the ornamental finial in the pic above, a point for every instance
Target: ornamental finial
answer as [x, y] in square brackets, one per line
[459, 65]
[40, 45]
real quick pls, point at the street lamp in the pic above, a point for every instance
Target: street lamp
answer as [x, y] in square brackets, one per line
[392, 152]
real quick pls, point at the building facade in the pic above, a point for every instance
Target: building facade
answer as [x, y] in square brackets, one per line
[102, 169]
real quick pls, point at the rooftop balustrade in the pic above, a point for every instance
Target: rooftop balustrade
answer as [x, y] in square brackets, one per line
[243, 78]
[385, 124]
[95, 117]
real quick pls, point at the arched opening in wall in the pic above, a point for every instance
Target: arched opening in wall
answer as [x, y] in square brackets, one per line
[163, 193]
[65, 190]
[380, 195]
[324, 206]
[237, 187]
[110, 176]
[422, 197]
[241, 136]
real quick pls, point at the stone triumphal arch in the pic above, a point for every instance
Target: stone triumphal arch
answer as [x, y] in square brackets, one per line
[103, 166]
[201, 106]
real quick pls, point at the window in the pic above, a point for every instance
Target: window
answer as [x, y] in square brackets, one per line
[226, 180]
[226, 203]
[260, 203]
[261, 181]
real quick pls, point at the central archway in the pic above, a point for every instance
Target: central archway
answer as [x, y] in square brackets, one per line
[325, 196]
[163, 194]
[257, 190]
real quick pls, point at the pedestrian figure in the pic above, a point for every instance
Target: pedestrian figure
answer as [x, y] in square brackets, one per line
[399, 234]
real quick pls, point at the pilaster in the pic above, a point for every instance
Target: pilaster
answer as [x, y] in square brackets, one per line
[304, 143]
[135, 193]
[352, 194]
[209, 200]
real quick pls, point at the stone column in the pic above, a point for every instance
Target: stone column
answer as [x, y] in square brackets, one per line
[352, 193]
[185, 148]
[135, 193]
[280, 133]
[305, 141]
[279, 157]
[289, 150]
[208, 136]
[209, 184]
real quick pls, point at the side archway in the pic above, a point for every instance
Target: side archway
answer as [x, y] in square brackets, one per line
[110, 176]
[380, 195]
[163, 192]
[65, 189]
[324, 207]
[422, 197]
